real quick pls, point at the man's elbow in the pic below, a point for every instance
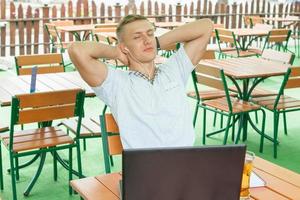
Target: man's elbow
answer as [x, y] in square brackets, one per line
[74, 50]
[209, 25]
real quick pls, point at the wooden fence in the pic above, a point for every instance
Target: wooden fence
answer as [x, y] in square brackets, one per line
[24, 32]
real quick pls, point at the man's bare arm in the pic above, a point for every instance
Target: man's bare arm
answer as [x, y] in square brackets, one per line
[85, 55]
[195, 35]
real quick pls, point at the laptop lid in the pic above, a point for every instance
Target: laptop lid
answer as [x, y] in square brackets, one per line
[209, 172]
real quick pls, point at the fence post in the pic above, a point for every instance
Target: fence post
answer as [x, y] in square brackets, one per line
[3, 29]
[45, 20]
[178, 12]
[117, 12]
[233, 17]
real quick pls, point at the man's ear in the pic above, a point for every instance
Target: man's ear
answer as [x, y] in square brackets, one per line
[124, 49]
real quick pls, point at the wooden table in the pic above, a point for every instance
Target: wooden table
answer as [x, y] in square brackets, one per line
[246, 69]
[169, 25]
[250, 34]
[12, 85]
[77, 29]
[281, 184]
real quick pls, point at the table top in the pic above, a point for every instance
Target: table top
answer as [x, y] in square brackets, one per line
[158, 32]
[249, 67]
[12, 85]
[168, 24]
[282, 19]
[281, 183]
[250, 32]
[76, 28]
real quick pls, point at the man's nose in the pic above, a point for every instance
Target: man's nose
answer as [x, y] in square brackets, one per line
[146, 39]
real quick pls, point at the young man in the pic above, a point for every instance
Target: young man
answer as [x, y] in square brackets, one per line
[148, 102]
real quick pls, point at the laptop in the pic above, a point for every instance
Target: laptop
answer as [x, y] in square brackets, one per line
[191, 173]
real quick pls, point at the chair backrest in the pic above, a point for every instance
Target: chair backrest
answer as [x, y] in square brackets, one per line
[226, 36]
[54, 33]
[285, 57]
[46, 63]
[294, 78]
[278, 36]
[211, 77]
[111, 142]
[209, 54]
[256, 20]
[101, 38]
[45, 107]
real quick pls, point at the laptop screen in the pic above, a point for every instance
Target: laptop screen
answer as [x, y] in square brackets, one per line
[209, 172]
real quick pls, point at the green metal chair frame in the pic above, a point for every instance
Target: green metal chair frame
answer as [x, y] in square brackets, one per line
[281, 104]
[216, 78]
[207, 95]
[42, 107]
[111, 142]
[228, 36]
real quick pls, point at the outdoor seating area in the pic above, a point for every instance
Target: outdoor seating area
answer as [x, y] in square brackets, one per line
[58, 140]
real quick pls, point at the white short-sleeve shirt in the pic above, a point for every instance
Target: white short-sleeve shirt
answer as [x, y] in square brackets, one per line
[151, 115]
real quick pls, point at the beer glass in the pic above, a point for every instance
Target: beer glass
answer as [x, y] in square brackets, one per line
[248, 165]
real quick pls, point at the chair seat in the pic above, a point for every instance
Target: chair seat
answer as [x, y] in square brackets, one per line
[238, 105]
[37, 138]
[234, 53]
[88, 127]
[257, 92]
[209, 94]
[285, 102]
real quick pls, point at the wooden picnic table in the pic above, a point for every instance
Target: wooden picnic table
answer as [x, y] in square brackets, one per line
[246, 69]
[281, 184]
[12, 85]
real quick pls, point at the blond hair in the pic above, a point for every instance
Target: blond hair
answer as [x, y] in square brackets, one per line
[126, 20]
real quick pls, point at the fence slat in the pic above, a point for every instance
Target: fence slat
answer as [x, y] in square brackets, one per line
[46, 36]
[12, 29]
[94, 12]
[178, 12]
[163, 12]
[21, 29]
[149, 10]
[70, 14]
[198, 7]
[102, 12]
[86, 12]
[36, 28]
[3, 29]
[170, 14]
[28, 30]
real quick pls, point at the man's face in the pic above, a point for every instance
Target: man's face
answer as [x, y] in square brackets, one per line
[139, 39]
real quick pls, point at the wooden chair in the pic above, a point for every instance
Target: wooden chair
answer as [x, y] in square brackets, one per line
[277, 38]
[281, 103]
[97, 36]
[111, 142]
[46, 63]
[55, 35]
[43, 108]
[252, 20]
[225, 36]
[227, 105]
[204, 94]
